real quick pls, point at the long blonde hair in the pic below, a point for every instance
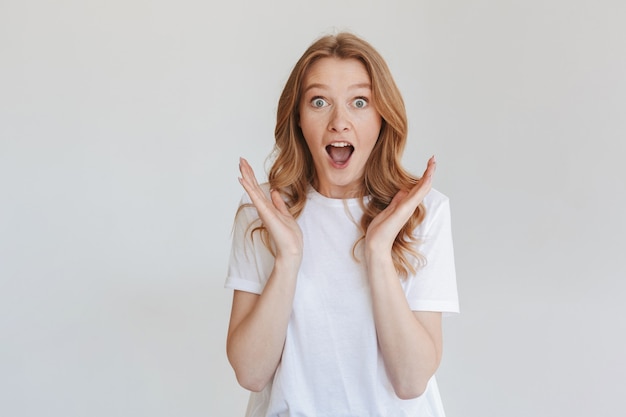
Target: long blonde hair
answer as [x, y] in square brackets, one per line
[293, 171]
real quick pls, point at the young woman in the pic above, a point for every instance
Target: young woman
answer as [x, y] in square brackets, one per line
[342, 264]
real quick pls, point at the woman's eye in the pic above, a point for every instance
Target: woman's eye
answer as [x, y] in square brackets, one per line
[360, 103]
[319, 102]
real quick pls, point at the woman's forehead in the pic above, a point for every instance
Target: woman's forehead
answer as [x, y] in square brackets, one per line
[331, 71]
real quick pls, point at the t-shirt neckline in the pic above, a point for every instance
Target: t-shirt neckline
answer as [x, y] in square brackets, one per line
[316, 196]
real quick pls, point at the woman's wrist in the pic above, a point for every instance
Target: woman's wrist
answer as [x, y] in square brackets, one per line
[378, 256]
[289, 264]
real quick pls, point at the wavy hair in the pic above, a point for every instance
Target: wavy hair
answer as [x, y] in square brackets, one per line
[293, 171]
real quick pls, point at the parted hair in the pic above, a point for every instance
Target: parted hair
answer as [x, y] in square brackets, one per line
[292, 170]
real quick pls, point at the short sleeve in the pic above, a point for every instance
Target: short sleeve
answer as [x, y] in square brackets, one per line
[250, 262]
[434, 287]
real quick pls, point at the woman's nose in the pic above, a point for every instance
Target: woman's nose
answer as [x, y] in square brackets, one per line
[339, 120]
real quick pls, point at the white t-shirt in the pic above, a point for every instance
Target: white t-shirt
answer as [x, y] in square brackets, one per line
[331, 365]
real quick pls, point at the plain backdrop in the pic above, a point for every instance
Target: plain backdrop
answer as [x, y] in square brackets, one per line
[121, 125]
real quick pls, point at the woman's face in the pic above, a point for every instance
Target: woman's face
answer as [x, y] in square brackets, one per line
[339, 123]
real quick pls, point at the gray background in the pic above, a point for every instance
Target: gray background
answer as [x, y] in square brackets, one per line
[121, 124]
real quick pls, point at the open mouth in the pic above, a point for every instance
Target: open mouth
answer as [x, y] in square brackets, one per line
[340, 152]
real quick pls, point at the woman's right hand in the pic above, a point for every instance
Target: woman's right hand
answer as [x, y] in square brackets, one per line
[282, 227]
[258, 322]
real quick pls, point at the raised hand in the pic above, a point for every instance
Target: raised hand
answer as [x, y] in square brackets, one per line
[384, 228]
[282, 227]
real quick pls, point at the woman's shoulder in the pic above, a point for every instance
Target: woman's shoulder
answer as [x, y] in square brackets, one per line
[438, 215]
[435, 199]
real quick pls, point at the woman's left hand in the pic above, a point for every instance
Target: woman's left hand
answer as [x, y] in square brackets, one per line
[384, 228]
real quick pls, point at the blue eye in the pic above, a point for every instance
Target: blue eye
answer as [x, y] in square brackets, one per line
[360, 103]
[319, 102]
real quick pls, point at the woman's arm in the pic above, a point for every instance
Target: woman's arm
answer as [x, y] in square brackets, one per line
[258, 323]
[410, 342]
[258, 326]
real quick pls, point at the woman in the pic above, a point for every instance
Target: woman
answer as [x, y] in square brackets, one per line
[342, 264]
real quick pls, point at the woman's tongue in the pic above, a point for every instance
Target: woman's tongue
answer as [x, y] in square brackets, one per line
[340, 154]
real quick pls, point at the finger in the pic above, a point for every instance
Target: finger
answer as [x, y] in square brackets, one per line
[250, 184]
[430, 169]
[431, 166]
[248, 179]
[247, 172]
[397, 198]
[279, 203]
[423, 185]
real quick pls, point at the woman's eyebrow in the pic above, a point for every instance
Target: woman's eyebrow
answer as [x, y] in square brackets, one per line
[324, 86]
[361, 85]
[314, 85]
